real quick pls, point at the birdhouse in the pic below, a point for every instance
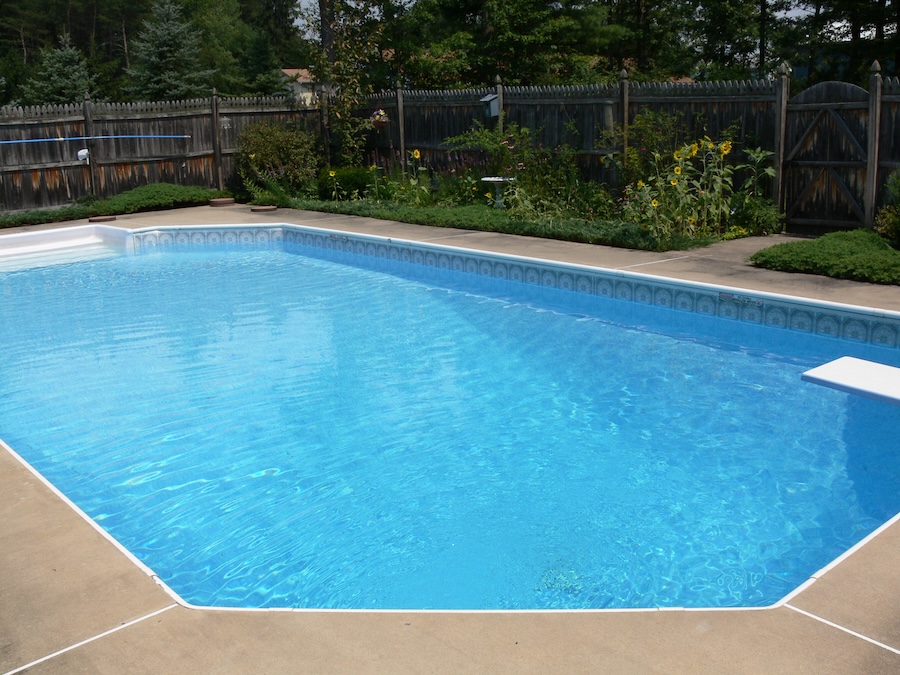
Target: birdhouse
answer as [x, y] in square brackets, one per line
[491, 104]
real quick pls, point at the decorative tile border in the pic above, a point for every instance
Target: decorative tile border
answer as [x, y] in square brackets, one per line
[856, 324]
[147, 241]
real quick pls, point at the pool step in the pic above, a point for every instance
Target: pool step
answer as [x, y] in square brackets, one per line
[64, 245]
[56, 256]
[858, 376]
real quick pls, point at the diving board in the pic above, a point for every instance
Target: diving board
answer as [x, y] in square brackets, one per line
[858, 376]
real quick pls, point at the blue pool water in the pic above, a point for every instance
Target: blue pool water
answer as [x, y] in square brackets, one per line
[268, 429]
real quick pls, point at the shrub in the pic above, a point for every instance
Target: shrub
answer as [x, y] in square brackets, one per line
[887, 221]
[887, 224]
[154, 196]
[860, 255]
[751, 211]
[547, 181]
[145, 198]
[651, 133]
[349, 182]
[276, 158]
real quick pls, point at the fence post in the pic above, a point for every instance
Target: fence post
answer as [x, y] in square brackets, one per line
[782, 95]
[875, 86]
[498, 83]
[401, 126]
[623, 114]
[216, 138]
[86, 108]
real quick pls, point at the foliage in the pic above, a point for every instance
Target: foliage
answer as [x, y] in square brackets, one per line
[344, 69]
[155, 196]
[651, 133]
[448, 43]
[63, 76]
[412, 186]
[276, 158]
[523, 41]
[146, 198]
[348, 182]
[481, 217]
[165, 57]
[860, 255]
[546, 182]
[688, 193]
[751, 211]
[887, 221]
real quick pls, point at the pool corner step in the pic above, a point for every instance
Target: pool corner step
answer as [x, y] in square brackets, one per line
[858, 376]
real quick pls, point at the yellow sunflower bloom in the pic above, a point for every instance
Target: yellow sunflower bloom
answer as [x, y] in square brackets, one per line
[677, 155]
[694, 149]
[417, 154]
[674, 182]
[640, 184]
[677, 170]
[654, 203]
[332, 174]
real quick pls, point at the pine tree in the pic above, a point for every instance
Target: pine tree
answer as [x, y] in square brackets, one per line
[165, 57]
[62, 76]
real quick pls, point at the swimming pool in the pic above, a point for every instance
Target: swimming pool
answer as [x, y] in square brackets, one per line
[170, 465]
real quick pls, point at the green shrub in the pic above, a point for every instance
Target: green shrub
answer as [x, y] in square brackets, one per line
[860, 255]
[144, 198]
[275, 159]
[887, 221]
[547, 181]
[154, 196]
[651, 133]
[887, 224]
[347, 182]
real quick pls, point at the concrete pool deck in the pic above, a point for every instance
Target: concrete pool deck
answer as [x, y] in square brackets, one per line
[71, 601]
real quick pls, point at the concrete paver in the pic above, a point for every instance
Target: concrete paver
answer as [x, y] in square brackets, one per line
[62, 583]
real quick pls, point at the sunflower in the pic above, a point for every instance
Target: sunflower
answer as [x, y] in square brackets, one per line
[677, 170]
[654, 203]
[332, 174]
[674, 182]
[417, 154]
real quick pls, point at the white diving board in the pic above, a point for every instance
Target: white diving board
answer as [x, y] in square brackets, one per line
[857, 376]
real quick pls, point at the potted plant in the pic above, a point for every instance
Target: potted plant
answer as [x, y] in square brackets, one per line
[379, 119]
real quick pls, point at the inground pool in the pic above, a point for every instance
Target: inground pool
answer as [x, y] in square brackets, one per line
[282, 416]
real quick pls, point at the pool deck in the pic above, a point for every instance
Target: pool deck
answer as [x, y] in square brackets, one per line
[72, 602]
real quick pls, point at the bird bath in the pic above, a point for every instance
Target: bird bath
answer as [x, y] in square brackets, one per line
[497, 184]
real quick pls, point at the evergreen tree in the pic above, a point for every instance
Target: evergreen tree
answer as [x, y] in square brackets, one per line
[62, 76]
[166, 57]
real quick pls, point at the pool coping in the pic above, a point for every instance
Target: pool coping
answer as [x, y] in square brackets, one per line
[785, 603]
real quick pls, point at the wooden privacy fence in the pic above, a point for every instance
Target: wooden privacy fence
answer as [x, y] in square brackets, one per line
[128, 144]
[834, 144]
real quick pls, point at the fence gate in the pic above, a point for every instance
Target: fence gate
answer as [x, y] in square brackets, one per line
[829, 165]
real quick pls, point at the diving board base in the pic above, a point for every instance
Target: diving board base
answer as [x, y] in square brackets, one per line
[858, 376]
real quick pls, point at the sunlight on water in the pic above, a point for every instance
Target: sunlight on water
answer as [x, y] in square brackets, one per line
[268, 429]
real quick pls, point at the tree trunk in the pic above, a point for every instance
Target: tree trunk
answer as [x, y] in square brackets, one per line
[763, 35]
[326, 18]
